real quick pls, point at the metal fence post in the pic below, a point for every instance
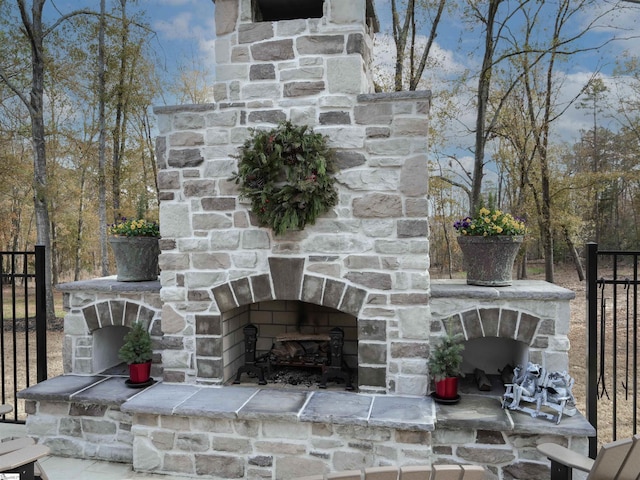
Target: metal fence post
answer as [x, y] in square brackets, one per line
[41, 314]
[592, 344]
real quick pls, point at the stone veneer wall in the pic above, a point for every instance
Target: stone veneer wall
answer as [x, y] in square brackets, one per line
[506, 455]
[272, 449]
[279, 449]
[368, 257]
[82, 430]
[534, 313]
[101, 303]
[293, 62]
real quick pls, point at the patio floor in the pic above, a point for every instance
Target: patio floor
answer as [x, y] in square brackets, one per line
[63, 468]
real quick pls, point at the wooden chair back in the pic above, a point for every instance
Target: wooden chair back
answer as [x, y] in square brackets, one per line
[619, 460]
[409, 472]
[630, 469]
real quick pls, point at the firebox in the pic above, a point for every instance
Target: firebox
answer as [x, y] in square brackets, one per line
[320, 354]
[290, 334]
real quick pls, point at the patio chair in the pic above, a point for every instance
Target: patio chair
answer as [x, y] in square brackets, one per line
[411, 472]
[21, 456]
[619, 460]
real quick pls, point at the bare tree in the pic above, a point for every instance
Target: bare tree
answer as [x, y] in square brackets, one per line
[102, 140]
[405, 39]
[35, 32]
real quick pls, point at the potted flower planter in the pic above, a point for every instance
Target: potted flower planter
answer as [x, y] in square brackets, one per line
[489, 260]
[135, 246]
[136, 258]
[490, 242]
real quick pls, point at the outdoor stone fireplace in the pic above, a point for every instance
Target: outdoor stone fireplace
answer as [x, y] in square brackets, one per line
[363, 268]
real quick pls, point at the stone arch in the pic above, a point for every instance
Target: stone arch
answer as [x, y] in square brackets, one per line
[494, 322]
[495, 337]
[115, 313]
[286, 280]
[218, 354]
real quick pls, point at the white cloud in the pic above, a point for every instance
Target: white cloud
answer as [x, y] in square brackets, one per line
[443, 64]
[178, 27]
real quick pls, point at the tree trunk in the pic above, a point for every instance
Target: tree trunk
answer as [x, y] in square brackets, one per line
[120, 127]
[484, 84]
[34, 31]
[102, 140]
[574, 254]
[80, 226]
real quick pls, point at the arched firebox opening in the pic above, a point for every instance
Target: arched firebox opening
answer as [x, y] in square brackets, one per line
[496, 341]
[291, 344]
[488, 363]
[106, 345]
[493, 354]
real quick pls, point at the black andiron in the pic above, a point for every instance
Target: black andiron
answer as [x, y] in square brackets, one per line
[336, 367]
[250, 366]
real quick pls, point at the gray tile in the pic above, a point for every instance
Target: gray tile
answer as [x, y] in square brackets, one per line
[160, 399]
[568, 426]
[337, 407]
[59, 388]
[274, 405]
[474, 412]
[112, 391]
[109, 284]
[219, 402]
[411, 413]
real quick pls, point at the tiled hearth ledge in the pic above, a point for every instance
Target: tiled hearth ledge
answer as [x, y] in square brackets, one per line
[244, 432]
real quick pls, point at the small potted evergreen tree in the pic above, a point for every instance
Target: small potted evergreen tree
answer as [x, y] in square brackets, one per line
[137, 353]
[444, 367]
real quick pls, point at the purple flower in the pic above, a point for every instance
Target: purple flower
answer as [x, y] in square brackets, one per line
[464, 223]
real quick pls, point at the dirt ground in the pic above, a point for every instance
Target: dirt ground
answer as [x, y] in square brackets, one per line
[15, 361]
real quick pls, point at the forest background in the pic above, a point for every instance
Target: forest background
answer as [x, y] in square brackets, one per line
[535, 104]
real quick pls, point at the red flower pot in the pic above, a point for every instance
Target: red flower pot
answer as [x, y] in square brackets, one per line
[447, 388]
[139, 372]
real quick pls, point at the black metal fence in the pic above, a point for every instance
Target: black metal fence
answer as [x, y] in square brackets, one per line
[23, 336]
[612, 338]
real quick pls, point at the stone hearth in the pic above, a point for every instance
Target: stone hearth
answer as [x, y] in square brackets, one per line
[248, 432]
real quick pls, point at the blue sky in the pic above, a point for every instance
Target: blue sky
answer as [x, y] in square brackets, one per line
[185, 32]
[185, 28]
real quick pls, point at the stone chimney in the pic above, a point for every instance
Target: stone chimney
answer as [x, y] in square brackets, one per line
[363, 264]
[277, 62]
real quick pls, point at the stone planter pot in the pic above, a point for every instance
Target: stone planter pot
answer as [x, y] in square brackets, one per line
[136, 258]
[489, 260]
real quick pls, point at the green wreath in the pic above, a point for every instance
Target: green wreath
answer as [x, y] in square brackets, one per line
[287, 174]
